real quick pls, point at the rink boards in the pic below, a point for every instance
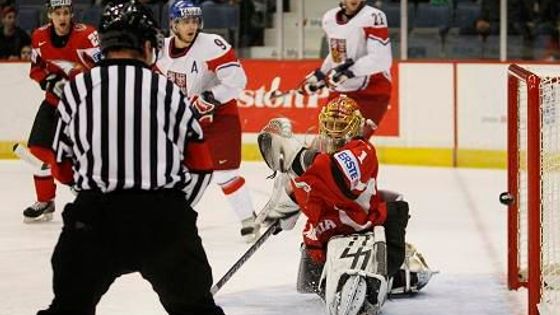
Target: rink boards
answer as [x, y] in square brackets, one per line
[442, 113]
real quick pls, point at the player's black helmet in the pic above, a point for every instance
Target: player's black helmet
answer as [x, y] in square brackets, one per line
[128, 25]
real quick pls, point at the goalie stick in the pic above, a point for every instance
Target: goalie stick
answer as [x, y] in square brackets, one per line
[243, 259]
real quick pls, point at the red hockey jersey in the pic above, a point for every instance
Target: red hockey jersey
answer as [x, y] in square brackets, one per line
[338, 194]
[80, 52]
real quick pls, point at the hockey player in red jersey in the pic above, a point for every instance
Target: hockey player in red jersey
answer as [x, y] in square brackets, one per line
[61, 49]
[354, 237]
[359, 59]
[207, 70]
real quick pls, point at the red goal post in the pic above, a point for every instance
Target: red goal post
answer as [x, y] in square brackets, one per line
[534, 188]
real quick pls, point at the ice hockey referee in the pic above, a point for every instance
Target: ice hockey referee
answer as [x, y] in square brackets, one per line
[128, 142]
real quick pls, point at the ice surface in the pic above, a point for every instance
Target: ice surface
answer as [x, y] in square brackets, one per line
[457, 223]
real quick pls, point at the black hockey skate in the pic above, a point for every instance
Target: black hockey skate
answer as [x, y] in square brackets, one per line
[39, 212]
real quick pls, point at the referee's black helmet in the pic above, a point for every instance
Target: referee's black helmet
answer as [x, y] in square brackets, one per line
[128, 25]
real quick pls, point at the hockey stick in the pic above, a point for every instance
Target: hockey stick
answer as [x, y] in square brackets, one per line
[23, 153]
[243, 259]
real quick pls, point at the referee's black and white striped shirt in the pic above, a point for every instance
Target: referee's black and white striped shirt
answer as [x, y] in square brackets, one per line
[126, 128]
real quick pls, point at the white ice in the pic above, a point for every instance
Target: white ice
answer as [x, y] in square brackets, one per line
[456, 222]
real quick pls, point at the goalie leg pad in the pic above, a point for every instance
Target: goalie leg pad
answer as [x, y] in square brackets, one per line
[355, 273]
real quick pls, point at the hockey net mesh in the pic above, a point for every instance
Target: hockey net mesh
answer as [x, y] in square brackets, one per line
[549, 95]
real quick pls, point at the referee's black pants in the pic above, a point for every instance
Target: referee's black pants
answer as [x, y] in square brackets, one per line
[108, 235]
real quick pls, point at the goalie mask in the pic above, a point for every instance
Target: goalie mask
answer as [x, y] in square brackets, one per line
[339, 121]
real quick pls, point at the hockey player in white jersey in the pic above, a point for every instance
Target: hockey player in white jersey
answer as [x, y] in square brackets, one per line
[359, 59]
[207, 70]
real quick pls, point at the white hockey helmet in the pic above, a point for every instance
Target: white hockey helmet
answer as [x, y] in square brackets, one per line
[53, 4]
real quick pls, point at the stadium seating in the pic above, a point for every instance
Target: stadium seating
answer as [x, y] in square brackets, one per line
[465, 15]
[428, 15]
[91, 15]
[28, 18]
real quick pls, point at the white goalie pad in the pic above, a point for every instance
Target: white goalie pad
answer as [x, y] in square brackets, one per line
[413, 275]
[354, 276]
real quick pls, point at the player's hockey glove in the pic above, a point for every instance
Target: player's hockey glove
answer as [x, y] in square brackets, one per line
[313, 82]
[53, 84]
[204, 106]
[339, 74]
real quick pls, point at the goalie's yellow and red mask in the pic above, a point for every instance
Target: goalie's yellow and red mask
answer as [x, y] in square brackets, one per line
[339, 121]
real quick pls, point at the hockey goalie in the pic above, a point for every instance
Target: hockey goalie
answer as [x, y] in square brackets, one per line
[354, 251]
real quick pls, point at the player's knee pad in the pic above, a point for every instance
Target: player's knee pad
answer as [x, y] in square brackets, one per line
[413, 275]
[229, 180]
[355, 272]
[45, 156]
[224, 177]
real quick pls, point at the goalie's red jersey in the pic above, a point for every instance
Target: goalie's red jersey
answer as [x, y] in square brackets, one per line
[80, 52]
[338, 194]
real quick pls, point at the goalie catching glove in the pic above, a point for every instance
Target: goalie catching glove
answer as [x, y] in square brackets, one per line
[204, 106]
[278, 145]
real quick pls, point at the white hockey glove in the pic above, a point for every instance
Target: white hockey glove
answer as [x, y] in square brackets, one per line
[277, 145]
[313, 82]
[204, 106]
[339, 74]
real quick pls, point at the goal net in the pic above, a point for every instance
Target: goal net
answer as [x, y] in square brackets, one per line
[534, 184]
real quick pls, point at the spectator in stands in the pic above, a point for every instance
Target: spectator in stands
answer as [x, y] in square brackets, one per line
[249, 29]
[488, 21]
[25, 54]
[549, 26]
[5, 3]
[12, 38]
